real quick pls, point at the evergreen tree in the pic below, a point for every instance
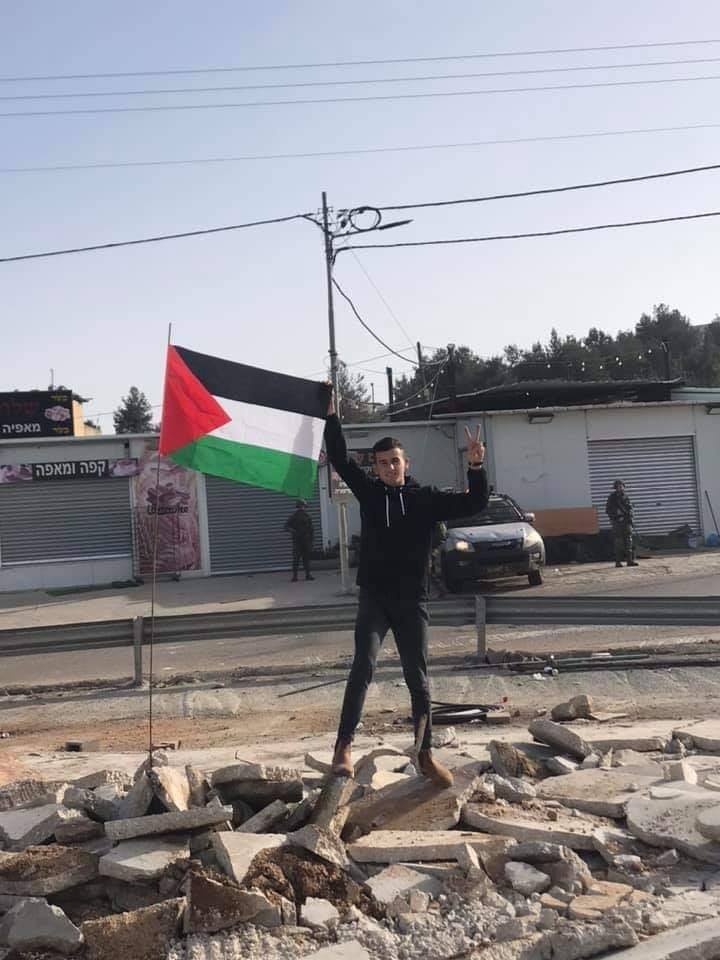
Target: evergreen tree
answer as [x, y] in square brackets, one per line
[134, 415]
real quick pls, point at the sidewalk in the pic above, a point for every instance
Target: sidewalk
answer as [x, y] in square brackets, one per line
[264, 591]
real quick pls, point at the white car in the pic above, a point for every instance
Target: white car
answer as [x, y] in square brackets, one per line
[500, 541]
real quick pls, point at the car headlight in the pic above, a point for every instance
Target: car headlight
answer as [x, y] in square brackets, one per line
[532, 539]
[462, 545]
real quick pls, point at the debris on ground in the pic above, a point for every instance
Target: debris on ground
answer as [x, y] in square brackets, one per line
[564, 847]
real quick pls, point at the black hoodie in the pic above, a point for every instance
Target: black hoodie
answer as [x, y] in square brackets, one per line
[397, 522]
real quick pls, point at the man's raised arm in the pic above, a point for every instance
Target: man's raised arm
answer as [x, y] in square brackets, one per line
[353, 475]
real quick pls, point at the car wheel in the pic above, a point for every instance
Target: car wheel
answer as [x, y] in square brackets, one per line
[535, 578]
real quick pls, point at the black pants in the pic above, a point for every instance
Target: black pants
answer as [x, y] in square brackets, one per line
[408, 620]
[301, 554]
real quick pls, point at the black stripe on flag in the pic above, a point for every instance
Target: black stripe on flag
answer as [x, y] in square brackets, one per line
[265, 388]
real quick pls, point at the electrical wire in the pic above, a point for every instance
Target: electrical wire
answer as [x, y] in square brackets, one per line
[538, 233]
[355, 63]
[167, 236]
[370, 98]
[536, 193]
[424, 389]
[68, 167]
[365, 325]
[426, 78]
[384, 301]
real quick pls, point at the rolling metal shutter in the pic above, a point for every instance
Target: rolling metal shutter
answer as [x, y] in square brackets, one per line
[246, 527]
[64, 520]
[660, 479]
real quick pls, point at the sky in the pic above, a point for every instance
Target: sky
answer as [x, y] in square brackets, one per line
[100, 320]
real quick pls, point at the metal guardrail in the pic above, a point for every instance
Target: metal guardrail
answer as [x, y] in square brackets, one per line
[460, 611]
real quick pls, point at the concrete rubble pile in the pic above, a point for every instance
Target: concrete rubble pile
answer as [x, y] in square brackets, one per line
[557, 848]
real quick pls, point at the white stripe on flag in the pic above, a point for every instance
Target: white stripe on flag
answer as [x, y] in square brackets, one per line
[293, 433]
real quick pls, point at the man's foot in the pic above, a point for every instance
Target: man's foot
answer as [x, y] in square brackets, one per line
[633, 563]
[309, 577]
[434, 770]
[342, 765]
[617, 563]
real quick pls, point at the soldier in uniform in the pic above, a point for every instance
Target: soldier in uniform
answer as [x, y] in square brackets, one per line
[620, 511]
[300, 527]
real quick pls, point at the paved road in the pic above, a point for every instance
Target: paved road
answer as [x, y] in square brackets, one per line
[696, 586]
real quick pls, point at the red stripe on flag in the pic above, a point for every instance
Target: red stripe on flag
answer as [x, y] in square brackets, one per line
[189, 411]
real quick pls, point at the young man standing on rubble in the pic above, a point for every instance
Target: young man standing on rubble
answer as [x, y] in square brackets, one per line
[398, 517]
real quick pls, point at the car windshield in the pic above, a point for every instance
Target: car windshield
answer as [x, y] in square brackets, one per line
[497, 511]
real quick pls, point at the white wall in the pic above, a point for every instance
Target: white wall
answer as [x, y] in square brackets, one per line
[65, 573]
[626, 423]
[707, 451]
[540, 465]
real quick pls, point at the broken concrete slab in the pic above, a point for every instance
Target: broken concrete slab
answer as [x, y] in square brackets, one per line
[35, 925]
[415, 804]
[267, 817]
[601, 792]
[539, 851]
[319, 761]
[708, 823]
[560, 766]
[239, 772]
[398, 846]
[579, 707]
[703, 735]
[692, 941]
[258, 793]
[672, 822]
[611, 843]
[398, 881]
[214, 903]
[318, 913]
[649, 744]
[171, 787]
[39, 871]
[192, 819]
[385, 778]
[25, 792]
[331, 810]
[198, 785]
[101, 778]
[510, 788]
[680, 770]
[386, 758]
[78, 831]
[136, 801]
[524, 878]
[302, 812]
[570, 831]
[509, 760]
[560, 738]
[24, 828]
[143, 934]
[142, 860]
[322, 843]
[236, 851]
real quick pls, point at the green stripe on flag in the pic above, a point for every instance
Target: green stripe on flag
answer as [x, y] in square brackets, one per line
[256, 466]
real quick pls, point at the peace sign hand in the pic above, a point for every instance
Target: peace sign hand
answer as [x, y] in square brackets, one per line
[475, 448]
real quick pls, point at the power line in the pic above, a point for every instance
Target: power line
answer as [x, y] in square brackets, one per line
[539, 233]
[366, 326]
[384, 301]
[364, 81]
[354, 63]
[157, 239]
[536, 193]
[67, 167]
[371, 98]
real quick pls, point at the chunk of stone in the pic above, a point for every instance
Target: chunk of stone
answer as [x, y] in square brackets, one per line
[386, 758]
[158, 823]
[550, 902]
[569, 831]
[673, 823]
[36, 925]
[349, 950]
[704, 735]
[316, 912]
[592, 762]
[331, 810]
[590, 908]
[680, 770]
[266, 818]
[259, 793]
[525, 878]
[611, 843]
[400, 846]
[571, 873]
[78, 831]
[515, 929]
[511, 788]
[214, 903]
[25, 792]
[708, 823]
[23, 828]
[137, 800]
[236, 851]
[39, 871]
[384, 778]
[301, 812]
[560, 738]
[469, 863]
[509, 761]
[639, 744]
[239, 772]
[559, 766]
[142, 860]
[323, 844]
[536, 851]
[159, 759]
[579, 707]
[668, 859]
[198, 785]
[604, 793]
[399, 881]
[415, 804]
[101, 778]
[143, 934]
[171, 787]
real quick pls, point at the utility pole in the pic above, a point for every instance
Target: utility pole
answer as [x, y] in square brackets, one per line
[340, 505]
[667, 359]
[452, 383]
[421, 370]
[391, 388]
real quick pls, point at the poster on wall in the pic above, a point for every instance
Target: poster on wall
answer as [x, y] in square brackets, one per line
[68, 470]
[36, 413]
[173, 505]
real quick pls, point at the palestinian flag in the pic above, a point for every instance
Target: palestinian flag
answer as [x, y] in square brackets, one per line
[242, 423]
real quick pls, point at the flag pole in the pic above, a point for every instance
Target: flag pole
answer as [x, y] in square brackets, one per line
[153, 592]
